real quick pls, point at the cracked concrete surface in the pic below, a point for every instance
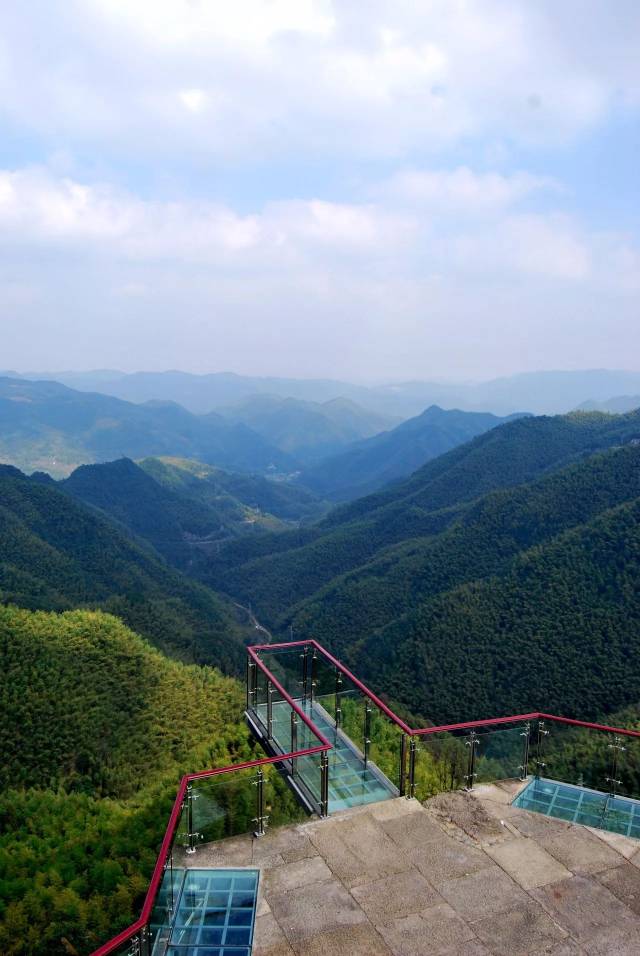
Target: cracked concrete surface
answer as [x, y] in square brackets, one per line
[462, 875]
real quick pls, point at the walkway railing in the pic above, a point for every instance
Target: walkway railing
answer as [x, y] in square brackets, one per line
[240, 798]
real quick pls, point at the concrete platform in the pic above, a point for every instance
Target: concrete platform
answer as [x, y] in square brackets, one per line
[462, 875]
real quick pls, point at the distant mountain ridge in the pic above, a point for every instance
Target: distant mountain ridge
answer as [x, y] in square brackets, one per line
[542, 392]
[308, 431]
[46, 426]
[615, 406]
[377, 461]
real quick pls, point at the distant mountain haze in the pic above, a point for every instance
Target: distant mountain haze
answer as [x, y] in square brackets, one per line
[308, 431]
[370, 464]
[616, 406]
[543, 392]
[49, 427]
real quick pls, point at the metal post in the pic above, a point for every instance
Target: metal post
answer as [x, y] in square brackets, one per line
[294, 741]
[471, 742]
[269, 710]
[367, 729]
[314, 663]
[542, 733]
[191, 835]
[260, 819]
[403, 764]
[324, 784]
[412, 768]
[135, 946]
[305, 673]
[251, 684]
[145, 941]
[524, 766]
[338, 697]
[616, 749]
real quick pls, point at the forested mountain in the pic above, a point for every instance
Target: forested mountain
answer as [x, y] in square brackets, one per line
[48, 427]
[57, 554]
[372, 572]
[231, 494]
[370, 464]
[96, 729]
[559, 630]
[279, 571]
[183, 525]
[308, 431]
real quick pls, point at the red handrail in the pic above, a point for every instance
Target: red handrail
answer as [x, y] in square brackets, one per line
[156, 878]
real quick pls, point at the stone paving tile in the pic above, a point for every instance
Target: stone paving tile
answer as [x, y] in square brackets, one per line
[358, 850]
[528, 863]
[624, 882]
[289, 876]
[396, 896]
[437, 931]
[523, 931]
[568, 948]
[483, 894]
[585, 908]
[268, 938]
[311, 910]
[411, 830]
[236, 851]
[288, 842]
[614, 942]
[447, 858]
[360, 940]
[580, 851]
[626, 846]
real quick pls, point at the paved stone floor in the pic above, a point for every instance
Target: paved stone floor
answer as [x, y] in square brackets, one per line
[463, 875]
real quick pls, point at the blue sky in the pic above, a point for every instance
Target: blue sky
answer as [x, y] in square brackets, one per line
[370, 190]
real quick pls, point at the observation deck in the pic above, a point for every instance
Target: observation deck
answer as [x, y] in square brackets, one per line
[421, 841]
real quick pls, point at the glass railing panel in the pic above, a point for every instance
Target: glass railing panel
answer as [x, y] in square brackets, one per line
[576, 755]
[286, 665]
[385, 747]
[628, 766]
[169, 890]
[441, 763]
[501, 752]
[224, 805]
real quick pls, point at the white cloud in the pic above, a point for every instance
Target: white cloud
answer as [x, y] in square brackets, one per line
[339, 79]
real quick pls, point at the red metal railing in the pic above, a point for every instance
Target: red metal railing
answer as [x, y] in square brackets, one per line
[156, 879]
[324, 745]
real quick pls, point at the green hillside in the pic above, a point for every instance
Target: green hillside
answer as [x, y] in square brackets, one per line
[281, 571]
[236, 497]
[483, 540]
[57, 554]
[96, 728]
[45, 426]
[559, 631]
[370, 464]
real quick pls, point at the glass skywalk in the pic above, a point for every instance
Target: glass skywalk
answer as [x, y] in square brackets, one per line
[352, 782]
[214, 914]
[581, 805]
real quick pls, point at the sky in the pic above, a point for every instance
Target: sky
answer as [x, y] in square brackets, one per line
[364, 190]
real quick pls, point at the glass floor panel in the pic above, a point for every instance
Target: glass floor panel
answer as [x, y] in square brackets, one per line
[214, 914]
[580, 805]
[351, 784]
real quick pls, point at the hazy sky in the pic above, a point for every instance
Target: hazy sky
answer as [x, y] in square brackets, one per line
[363, 189]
